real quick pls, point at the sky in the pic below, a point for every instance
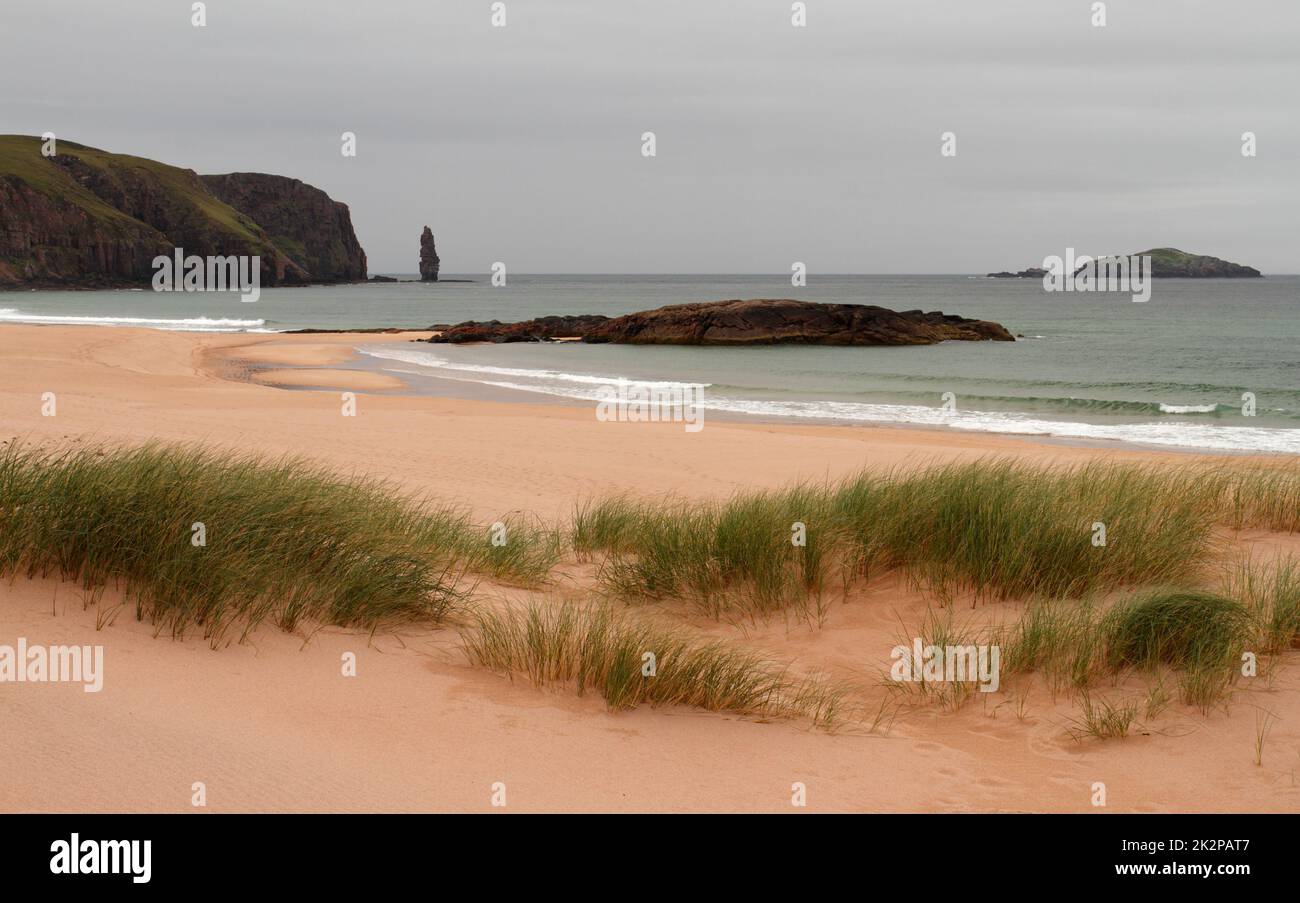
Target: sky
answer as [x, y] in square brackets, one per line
[773, 143]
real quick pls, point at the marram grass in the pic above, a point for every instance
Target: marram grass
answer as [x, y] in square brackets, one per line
[995, 529]
[1104, 719]
[289, 542]
[202, 539]
[1197, 637]
[1187, 629]
[1200, 636]
[1273, 595]
[630, 662]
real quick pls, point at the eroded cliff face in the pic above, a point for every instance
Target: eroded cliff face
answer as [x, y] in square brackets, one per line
[87, 218]
[303, 221]
[45, 239]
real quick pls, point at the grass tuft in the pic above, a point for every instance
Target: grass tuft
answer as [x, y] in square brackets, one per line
[282, 540]
[1187, 629]
[995, 529]
[1103, 719]
[591, 646]
[1273, 596]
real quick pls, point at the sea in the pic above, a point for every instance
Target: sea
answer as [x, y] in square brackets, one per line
[1204, 364]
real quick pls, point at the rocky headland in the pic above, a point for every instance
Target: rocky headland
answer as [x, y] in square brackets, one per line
[86, 218]
[302, 221]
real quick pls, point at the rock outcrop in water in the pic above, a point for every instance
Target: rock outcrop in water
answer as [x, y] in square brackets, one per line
[428, 257]
[1166, 263]
[1171, 263]
[740, 323]
[86, 218]
[539, 330]
[1031, 273]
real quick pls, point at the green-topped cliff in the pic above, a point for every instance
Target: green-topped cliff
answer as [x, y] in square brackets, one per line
[85, 217]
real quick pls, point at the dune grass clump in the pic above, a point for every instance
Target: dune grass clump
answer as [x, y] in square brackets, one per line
[939, 628]
[759, 552]
[1007, 530]
[1198, 635]
[631, 662]
[195, 538]
[1058, 639]
[993, 528]
[1103, 719]
[1273, 596]
[517, 550]
[1187, 629]
[1262, 496]
[610, 525]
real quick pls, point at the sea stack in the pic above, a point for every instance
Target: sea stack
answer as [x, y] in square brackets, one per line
[428, 257]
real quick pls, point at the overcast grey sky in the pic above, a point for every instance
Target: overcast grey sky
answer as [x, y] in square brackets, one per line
[775, 143]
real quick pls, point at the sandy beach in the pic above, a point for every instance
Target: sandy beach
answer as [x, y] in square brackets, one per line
[271, 725]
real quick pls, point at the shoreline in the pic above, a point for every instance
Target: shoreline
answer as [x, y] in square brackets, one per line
[128, 383]
[287, 365]
[436, 730]
[477, 391]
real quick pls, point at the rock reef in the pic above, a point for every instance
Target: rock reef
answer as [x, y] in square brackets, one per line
[739, 323]
[1031, 273]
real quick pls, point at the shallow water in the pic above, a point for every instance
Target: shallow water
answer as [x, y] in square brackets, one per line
[1171, 371]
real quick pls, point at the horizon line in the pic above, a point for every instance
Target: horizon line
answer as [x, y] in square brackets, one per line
[784, 276]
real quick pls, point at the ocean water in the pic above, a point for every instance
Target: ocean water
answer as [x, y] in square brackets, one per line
[1169, 372]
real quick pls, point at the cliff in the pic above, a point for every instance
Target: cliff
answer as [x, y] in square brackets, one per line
[740, 323]
[88, 218]
[314, 230]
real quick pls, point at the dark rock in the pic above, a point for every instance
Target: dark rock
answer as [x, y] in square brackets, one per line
[428, 257]
[1031, 273]
[378, 330]
[86, 218]
[383, 279]
[304, 222]
[741, 323]
[48, 241]
[539, 330]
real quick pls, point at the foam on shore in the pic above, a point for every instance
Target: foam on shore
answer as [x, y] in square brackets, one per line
[586, 387]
